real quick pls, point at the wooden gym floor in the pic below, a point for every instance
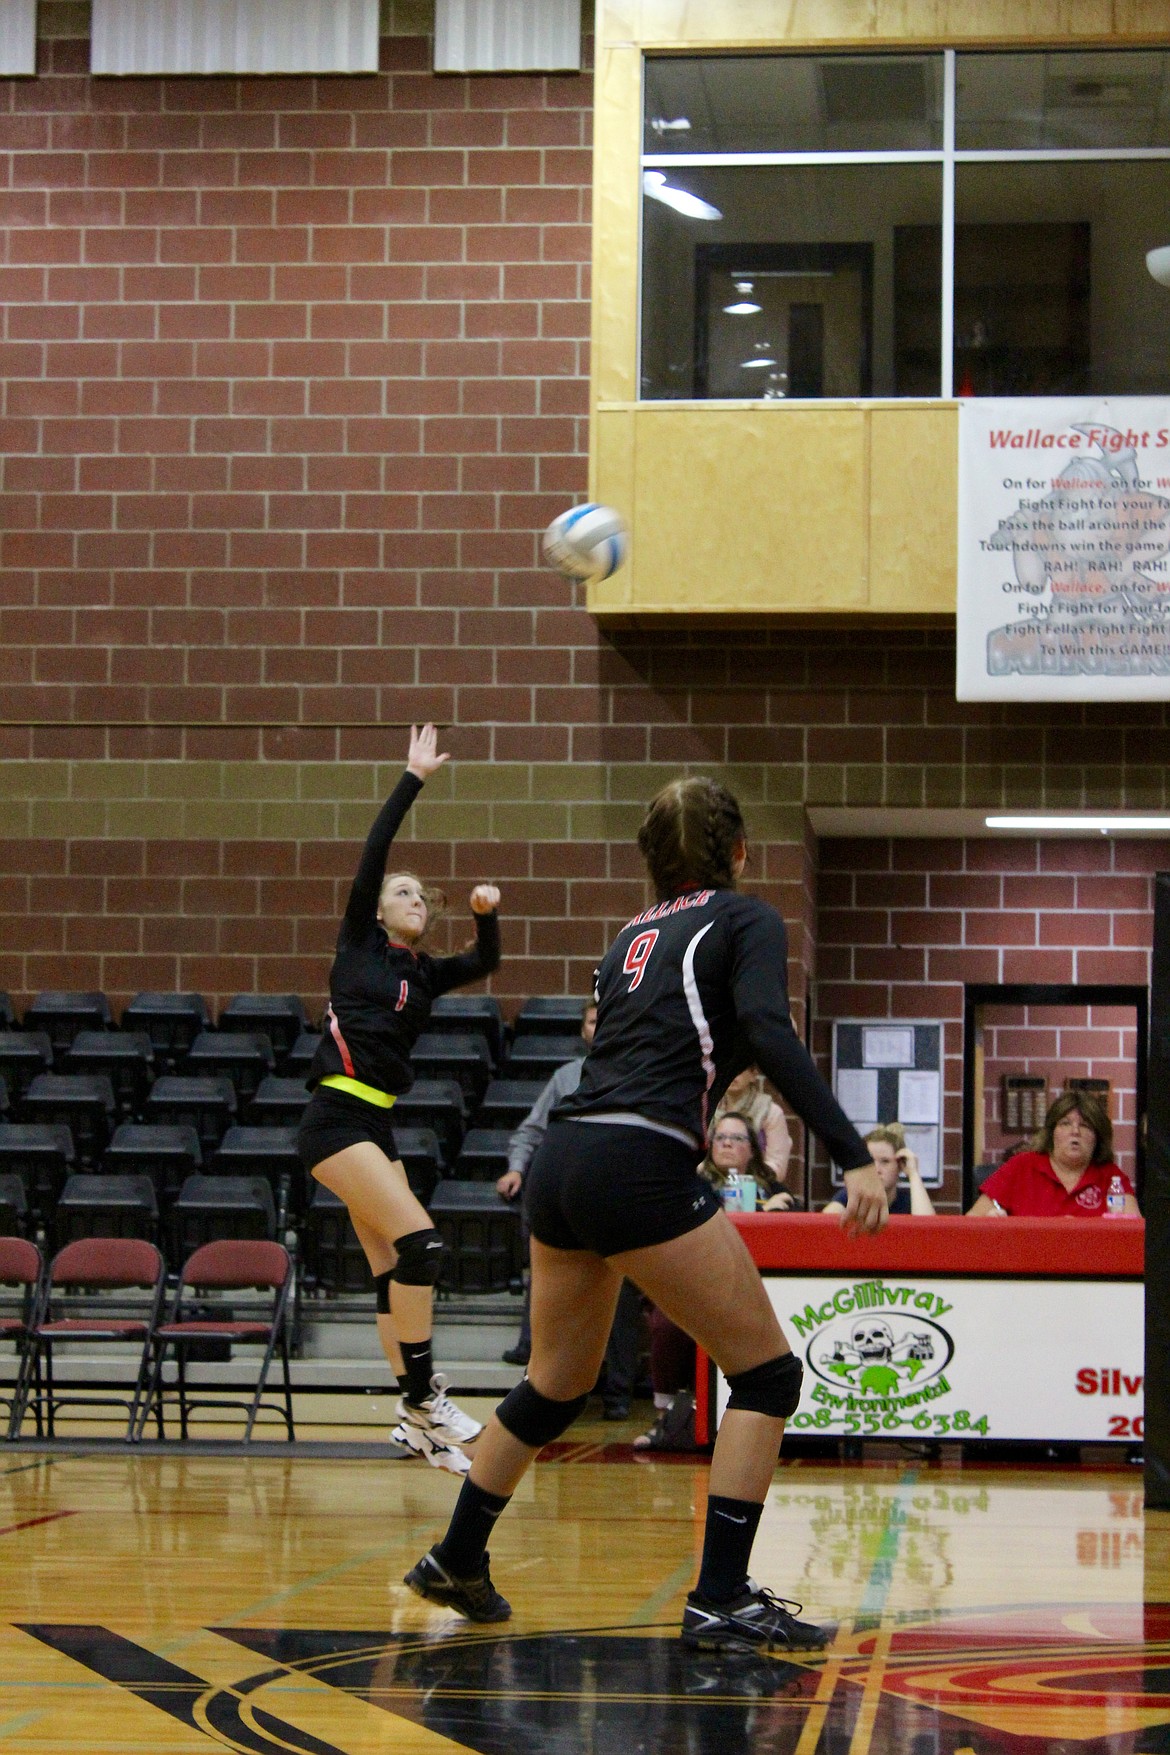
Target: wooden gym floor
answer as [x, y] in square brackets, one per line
[167, 1602]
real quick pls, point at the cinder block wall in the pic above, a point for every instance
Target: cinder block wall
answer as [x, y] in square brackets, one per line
[294, 372]
[903, 925]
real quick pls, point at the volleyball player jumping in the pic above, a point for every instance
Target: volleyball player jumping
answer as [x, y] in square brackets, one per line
[381, 990]
[691, 991]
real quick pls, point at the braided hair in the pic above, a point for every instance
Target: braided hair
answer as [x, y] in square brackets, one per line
[689, 836]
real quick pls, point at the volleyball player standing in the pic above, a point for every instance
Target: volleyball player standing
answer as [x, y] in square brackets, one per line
[691, 991]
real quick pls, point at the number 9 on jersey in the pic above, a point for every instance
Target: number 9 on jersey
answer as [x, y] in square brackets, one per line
[637, 956]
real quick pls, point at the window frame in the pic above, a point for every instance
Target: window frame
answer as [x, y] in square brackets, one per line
[948, 156]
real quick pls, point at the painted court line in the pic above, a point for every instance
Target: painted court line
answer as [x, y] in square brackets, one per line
[30, 1522]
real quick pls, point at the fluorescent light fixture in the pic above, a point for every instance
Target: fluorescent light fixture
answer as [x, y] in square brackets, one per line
[1086, 824]
[690, 206]
[754, 364]
[744, 308]
[744, 286]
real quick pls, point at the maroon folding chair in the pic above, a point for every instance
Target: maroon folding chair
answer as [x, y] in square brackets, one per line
[230, 1265]
[20, 1266]
[82, 1279]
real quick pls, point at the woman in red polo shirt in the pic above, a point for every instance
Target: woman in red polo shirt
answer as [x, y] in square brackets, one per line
[1068, 1176]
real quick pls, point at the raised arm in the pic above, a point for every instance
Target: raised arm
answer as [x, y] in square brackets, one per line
[422, 761]
[484, 956]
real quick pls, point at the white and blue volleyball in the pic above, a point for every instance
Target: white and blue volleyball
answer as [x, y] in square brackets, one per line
[587, 542]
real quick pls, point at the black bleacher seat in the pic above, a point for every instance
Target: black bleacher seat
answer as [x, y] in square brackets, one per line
[125, 1057]
[82, 1102]
[168, 1155]
[62, 1015]
[211, 1207]
[421, 1157]
[15, 1216]
[299, 1058]
[206, 1104]
[554, 1016]
[482, 1233]
[7, 1014]
[334, 1259]
[437, 1104]
[436, 1055]
[507, 1101]
[244, 1059]
[469, 1014]
[279, 1016]
[277, 1103]
[105, 1206]
[483, 1156]
[23, 1055]
[538, 1057]
[43, 1157]
[270, 1152]
[171, 1020]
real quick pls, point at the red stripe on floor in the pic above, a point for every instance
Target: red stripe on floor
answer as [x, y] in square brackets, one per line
[50, 1517]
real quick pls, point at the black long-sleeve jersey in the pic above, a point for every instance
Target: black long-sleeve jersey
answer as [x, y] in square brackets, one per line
[690, 993]
[381, 992]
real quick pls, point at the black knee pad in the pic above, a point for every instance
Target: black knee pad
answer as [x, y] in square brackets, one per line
[772, 1388]
[536, 1419]
[420, 1258]
[382, 1293]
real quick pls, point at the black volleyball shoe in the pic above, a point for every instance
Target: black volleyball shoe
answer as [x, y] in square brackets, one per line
[476, 1597]
[754, 1621]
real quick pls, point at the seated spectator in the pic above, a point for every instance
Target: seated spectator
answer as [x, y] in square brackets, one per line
[522, 1149]
[672, 1372]
[748, 1094]
[1069, 1173]
[893, 1157]
[735, 1148]
[625, 1340]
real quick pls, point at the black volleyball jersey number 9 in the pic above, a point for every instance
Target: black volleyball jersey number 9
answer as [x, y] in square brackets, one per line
[689, 993]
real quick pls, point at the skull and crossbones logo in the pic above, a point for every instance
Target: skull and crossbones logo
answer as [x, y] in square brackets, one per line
[872, 1342]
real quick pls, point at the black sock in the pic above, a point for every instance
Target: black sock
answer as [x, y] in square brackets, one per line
[462, 1549]
[420, 1368]
[727, 1547]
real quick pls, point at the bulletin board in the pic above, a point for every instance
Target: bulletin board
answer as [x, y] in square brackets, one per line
[893, 1071]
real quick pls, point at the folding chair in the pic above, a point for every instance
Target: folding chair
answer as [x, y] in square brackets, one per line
[549, 1016]
[231, 1265]
[538, 1057]
[83, 1271]
[21, 1266]
[171, 1020]
[281, 1017]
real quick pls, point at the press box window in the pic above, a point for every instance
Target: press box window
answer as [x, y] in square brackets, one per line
[792, 225]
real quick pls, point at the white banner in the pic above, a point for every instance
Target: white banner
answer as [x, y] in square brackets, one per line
[1048, 1360]
[1064, 533]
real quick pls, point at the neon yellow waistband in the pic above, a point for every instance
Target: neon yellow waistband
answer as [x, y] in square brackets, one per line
[367, 1093]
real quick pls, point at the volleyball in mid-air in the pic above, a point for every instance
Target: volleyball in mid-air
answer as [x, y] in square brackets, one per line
[587, 542]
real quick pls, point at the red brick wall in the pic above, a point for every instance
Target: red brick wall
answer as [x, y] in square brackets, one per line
[1059, 1043]
[903, 925]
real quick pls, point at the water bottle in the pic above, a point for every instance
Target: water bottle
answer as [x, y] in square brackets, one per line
[748, 1193]
[1115, 1199]
[732, 1194]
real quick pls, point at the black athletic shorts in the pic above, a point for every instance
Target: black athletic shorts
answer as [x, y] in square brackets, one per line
[335, 1119]
[610, 1187]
